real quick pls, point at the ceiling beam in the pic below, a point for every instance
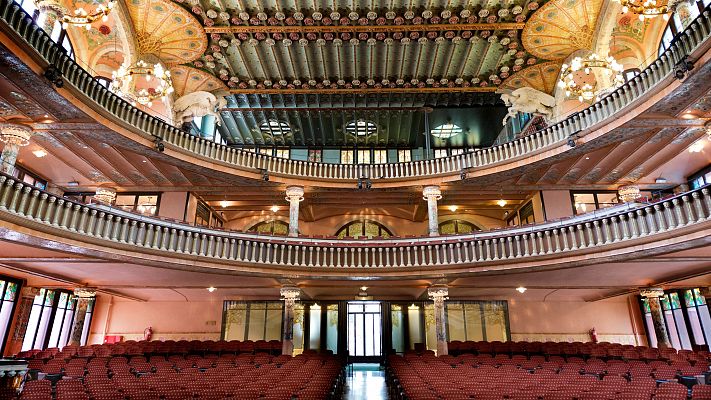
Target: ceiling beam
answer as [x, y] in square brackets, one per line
[326, 108]
[302, 29]
[359, 91]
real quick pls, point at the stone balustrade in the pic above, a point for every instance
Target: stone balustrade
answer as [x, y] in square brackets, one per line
[115, 108]
[28, 206]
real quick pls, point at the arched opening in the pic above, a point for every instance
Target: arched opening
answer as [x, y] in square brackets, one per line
[273, 227]
[363, 228]
[457, 227]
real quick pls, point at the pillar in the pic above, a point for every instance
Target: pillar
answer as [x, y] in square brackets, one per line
[682, 9]
[294, 195]
[14, 136]
[50, 12]
[290, 295]
[8, 158]
[27, 297]
[432, 194]
[652, 295]
[706, 292]
[438, 294]
[84, 297]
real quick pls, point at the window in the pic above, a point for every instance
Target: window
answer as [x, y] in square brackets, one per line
[404, 155]
[252, 320]
[63, 321]
[282, 153]
[202, 214]
[440, 153]
[266, 152]
[363, 156]
[8, 297]
[629, 74]
[59, 36]
[363, 228]
[28, 177]
[685, 316]
[455, 152]
[38, 324]
[315, 155]
[275, 128]
[525, 214]
[146, 204]
[584, 202]
[361, 128]
[380, 156]
[347, 157]
[30, 7]
[273, 227]
[104, 81]
[456, 226]
[700, 178]
[446, 131]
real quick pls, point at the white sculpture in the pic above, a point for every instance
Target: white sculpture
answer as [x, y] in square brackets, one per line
[198, 104]
[528, 100]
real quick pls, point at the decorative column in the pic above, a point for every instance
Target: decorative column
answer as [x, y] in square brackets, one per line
[682, 8]
[432, 194]
[27, 297]
[290, 295]
[14, 136]
[706, 292]
[438, 294]
[50, 11]
[294, 195]
[84, 296]
[652, 295]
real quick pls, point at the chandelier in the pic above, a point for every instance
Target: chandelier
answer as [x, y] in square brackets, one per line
[628, 193]
[80, 17]
[573, 84]
[105, 195]
[16, 134]
[124, 82]
[646, 8]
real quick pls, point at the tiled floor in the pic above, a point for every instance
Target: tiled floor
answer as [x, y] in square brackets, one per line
[365, 382]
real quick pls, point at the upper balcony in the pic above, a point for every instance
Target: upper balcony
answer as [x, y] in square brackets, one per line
[613, 119]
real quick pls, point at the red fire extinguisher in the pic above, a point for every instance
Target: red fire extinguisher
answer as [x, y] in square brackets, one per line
[148, 334]
[593, 335]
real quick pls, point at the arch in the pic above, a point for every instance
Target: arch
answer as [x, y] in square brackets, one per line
[363, 228]
[271, 227]
[457, 227]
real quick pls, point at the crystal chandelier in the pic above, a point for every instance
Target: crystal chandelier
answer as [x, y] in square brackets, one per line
[571, 82]
[80, 17]
[105, 195]
[124, 82]
[16, 134]
[628, 193]
[646, 8]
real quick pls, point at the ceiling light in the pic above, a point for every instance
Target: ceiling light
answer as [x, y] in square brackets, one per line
[364, 288]
[521, 289]
[688, 115]
[587, 158]
[39, 153]
[275, 208]
[79, 17]
[453, 208]
[125, 78]
[211, 289]
[106, 195]
[575, 79]
[224, 203]
[72, 184]
[660, 180]
[501, 203]
[696, 147]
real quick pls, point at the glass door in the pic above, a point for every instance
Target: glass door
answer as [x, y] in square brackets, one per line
[364, 329]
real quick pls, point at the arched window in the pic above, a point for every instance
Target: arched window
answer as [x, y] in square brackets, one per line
[275, 128]
[273, 227]
[457, 227]
[363, 228]
[446, 131]
[361, 128]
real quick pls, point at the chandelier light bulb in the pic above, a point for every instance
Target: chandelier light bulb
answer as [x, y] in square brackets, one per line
[521, 289]
[501, 203]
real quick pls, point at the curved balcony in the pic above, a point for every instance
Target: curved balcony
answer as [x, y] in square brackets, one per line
[29, 214]
[121, 117]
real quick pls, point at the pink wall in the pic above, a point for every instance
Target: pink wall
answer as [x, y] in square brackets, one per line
[169, 319]
[557, 204]
[172, 205]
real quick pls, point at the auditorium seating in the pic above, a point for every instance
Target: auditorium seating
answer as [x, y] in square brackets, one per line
[182, 370]
[548, 371]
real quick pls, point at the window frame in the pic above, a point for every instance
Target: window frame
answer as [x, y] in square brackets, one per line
[363, 234]
[18, 295]
[272, 223]
[595, 199]
[135, 201]
[683, 307]
[456, 223]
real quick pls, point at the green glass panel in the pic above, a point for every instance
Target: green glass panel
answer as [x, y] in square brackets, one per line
[447, 228]
[689, 298]
[674, 299]
[281, 228]
[355, 230]
[2, 286]
[665, 302]
[63, 300]
[49, 298]
[645, 304]
[371, 230]
[11, 291]
[700, 300]
[71, 303]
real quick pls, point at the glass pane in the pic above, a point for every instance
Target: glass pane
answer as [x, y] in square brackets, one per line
[62, 300]
[665, 302]
[584, 202]
[274, 319]
[235, 322]
[257, 321]
[5, 312]
[404, 155]
[650, 329]
[56, 328]
[673, 333]
[414, 326]
[645, 304]
[351, 334]
[368, 334]
[681, 328]
[66, 329]
[355, 230]
[85, 331]
[472, 315]
[430, 337]
[455, 322]
[42, 328]
[700, 300]
[125, 201]
[689, 298]
[371, 230]
[495, 322]
[696, 329]
[315, 327]
[147, 204]
[332, 328]
[705, 322]
[298, 328]
[398, 332]
[606, 199]
[674, 300]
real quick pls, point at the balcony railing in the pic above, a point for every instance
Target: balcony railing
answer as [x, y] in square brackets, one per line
[21, 203]
[18, 21]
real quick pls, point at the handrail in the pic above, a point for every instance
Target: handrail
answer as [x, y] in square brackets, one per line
[18, 21]
[23, 203]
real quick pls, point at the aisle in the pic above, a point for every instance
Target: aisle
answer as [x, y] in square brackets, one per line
[365, 382]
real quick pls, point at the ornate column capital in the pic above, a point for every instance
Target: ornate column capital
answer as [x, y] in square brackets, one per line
[85, 293]
[431, 192]
[438, 293]
[706, 292]
[294, 193]
[29, 292]
[652, 292]
[290, 295]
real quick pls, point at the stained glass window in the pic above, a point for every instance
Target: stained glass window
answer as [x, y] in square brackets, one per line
[8, 292]
[687, 322]
[273, 227]
[363, 228]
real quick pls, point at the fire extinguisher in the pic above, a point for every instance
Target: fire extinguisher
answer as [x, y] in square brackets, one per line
[593, 335]
[148, 333]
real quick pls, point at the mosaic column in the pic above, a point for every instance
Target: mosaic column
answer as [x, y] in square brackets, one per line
[84, 297]
[682, 9]
[432, 194]
[294, 195]
[706, 292]
[50, 11]
[660, 329]
[438, 294]
[27, 297]
[14, 136]
[290, 295]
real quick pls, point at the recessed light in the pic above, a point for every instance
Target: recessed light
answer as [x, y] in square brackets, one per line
[689, 115]
[453, 208]
[521, 289]
[211, 289]
[144, 161]
[587, 158]
[39, 153]
[275, 208]
[364, 288]
[72, 183]
[660, 180]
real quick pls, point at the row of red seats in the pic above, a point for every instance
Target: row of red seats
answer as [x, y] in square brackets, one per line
[131, 347]
[308, 376]
[428, 377]
[599, 350]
